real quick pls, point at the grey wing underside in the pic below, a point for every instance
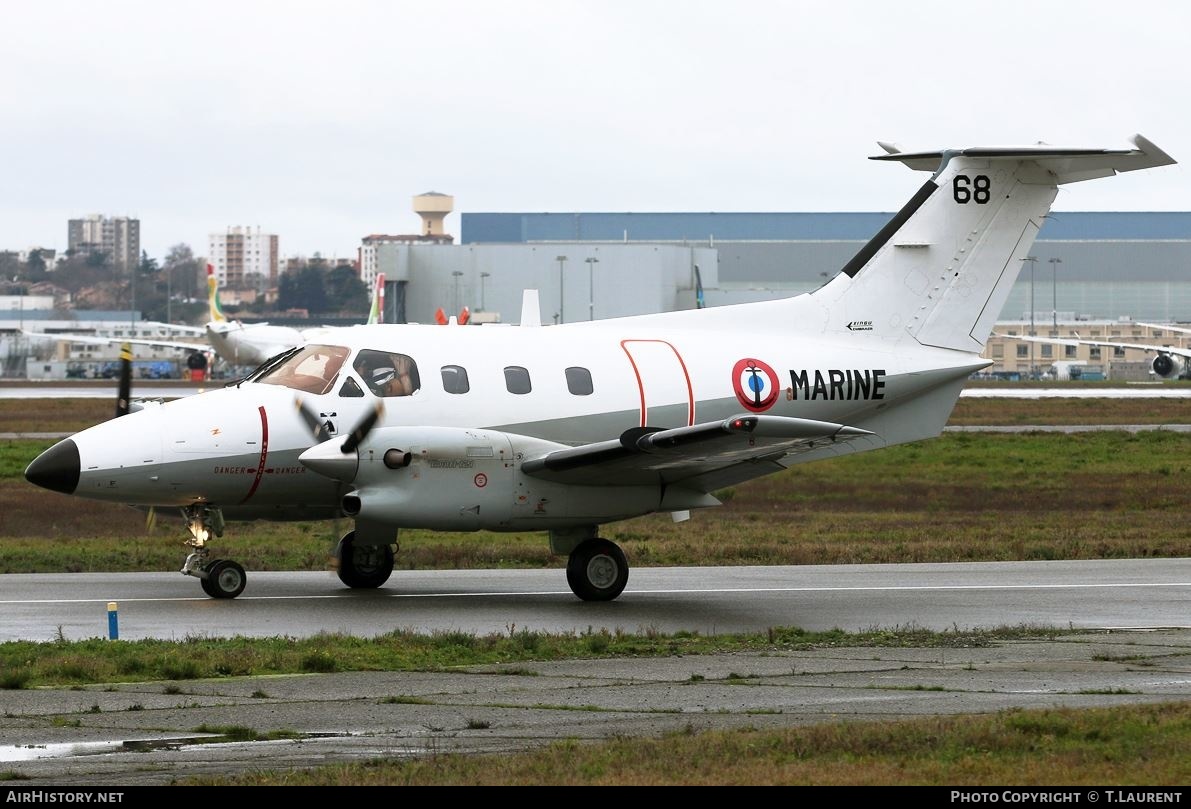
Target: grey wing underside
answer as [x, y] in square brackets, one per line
[703, 457]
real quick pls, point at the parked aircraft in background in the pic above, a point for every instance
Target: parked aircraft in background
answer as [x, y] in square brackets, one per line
[1169, 362]
[565, 428]
[251, 344]
[234, 342]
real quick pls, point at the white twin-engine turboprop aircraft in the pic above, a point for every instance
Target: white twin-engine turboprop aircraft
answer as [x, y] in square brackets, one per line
[565, 428]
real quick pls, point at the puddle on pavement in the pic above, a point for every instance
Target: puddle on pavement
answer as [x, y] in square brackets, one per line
[34, 752]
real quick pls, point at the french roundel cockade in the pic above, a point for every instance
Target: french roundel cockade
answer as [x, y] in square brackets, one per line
[756, 384]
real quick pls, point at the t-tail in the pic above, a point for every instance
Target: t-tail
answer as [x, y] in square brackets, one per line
[216, 310]
[376, 314]
[941, 270]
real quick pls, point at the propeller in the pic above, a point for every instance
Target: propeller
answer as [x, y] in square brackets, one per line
[124, 391]
[123, 408]
[319, 430]
[361, 430]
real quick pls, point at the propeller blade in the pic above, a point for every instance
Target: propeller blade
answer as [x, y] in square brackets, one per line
[464, 315]
[362, 429]
[124, 391]
[440, 317]
[317, 429]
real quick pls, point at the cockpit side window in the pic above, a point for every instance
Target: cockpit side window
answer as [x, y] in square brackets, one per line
[388, 374]
[350, 389]
[313, 369]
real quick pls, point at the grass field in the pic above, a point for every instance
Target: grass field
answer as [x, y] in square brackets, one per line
[27, 664]
[1131, 745]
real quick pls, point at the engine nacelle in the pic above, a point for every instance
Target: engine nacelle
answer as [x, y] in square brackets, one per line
[456, 479]
[1169, 366]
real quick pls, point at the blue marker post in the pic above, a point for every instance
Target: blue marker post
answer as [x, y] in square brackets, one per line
[113, 622]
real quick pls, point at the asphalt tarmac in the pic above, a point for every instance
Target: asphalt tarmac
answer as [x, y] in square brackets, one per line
[1115, 593]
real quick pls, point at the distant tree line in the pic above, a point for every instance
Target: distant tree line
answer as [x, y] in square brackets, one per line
[176, 288]
[321, 289]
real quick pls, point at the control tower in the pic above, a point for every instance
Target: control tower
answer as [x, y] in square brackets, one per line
[433, 207]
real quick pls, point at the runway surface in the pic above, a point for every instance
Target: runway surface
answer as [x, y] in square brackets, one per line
[1084, 594]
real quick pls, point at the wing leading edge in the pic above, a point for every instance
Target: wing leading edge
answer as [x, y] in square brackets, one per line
[644, 456]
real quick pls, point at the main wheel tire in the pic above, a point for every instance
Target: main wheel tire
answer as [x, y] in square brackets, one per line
[597, 570]
[363, 566]
[225, 579]
[208, 586]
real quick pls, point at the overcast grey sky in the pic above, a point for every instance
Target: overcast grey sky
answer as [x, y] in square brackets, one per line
[319, 121]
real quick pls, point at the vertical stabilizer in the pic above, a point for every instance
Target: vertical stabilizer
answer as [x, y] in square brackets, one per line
[940, 271]
[531, 314]
[216, 310]
[376, 314]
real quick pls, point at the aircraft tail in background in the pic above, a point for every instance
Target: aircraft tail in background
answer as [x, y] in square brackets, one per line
[216, 310]
[376, 314]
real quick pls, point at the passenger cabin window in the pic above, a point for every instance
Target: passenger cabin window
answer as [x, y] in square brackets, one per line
[579, 381]
[517, 380]
[454, 379]
[388, 374]
[311, 370]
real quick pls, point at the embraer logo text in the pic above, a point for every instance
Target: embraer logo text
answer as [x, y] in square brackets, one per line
[837, 385]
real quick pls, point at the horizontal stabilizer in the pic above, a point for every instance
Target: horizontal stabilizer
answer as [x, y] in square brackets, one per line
[1069, 164]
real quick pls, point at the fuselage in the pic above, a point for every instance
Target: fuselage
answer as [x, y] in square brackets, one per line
[251, 344]
[238, 447]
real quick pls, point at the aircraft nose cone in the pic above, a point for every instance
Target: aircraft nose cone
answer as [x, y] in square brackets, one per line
[329, 460]
[57, 468]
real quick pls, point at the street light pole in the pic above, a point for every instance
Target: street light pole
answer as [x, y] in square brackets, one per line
[1033, 261]
[1054, 291]
[561, 289]
[483, 275]
[456, 274]
[591, 262]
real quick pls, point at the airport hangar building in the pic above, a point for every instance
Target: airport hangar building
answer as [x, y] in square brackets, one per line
[1094, 273]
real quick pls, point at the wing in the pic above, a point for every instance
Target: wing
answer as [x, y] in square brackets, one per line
[705, 456]
[1069, 341]
[91, 340]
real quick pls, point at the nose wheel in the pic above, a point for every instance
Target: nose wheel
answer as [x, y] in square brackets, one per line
[224, 579]
[219, 578]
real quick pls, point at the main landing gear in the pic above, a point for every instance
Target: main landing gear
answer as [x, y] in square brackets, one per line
[220, 578]
[363, 566]
[597, 570]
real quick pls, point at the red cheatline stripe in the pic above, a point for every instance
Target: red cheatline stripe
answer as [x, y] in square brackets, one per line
[260, 466]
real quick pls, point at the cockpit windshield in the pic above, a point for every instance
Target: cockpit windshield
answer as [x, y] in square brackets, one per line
[313, 369]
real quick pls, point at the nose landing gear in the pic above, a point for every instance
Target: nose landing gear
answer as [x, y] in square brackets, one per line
[219, 578]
